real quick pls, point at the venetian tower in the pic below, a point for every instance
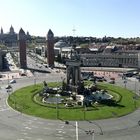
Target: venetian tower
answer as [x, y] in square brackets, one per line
[22, 49]
[1, 32]
[50, 48]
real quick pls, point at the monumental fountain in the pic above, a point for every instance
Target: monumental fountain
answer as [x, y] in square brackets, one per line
[73, 92]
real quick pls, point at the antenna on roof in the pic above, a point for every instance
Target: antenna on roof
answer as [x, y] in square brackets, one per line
[73, 30]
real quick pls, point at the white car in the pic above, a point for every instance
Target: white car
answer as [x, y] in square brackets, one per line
[12, 81]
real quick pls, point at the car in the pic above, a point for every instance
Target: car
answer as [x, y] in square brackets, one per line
[112, 81]
[100, 80]
[112, 78]
[8, 87]
[12, 81]
[23, 74]
[85, 77]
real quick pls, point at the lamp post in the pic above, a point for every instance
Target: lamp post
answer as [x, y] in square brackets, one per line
[34, 78]
[135, 86]
[85, 109]
[57, 108]
[134, 99]
[14, 98]
[9, 89]
[125, 82]
[8, 78]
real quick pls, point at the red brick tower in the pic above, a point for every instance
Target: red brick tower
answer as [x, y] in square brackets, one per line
[22, 49]
[50, 48]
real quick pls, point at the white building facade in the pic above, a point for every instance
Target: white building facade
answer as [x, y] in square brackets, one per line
[131, 60]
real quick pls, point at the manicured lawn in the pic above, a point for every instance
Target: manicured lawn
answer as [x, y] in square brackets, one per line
[22, 100]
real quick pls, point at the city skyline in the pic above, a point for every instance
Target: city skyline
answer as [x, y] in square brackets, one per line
[98, 18]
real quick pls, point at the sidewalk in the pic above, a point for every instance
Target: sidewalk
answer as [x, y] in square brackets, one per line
[13, 75]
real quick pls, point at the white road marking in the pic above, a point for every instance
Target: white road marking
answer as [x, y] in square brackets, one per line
[28, 128]
[62, 126]
[24, 133]
[34, 119]
[33, 126]
[61, 138]
[50, 123]
[4, 109]
[30, 122]
[60, 135]
[59, 129]
[23, 130]
[47, 128]
[28, 137]
[40, 122]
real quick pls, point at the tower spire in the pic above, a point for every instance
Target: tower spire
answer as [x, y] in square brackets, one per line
[1, 30]
[11, 30]
[50, 48]
[73, 30]
[22, 48]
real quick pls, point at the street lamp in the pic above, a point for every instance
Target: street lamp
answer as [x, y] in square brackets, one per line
[135, 86]
[85, 109]
[57, 108]
[135, 98]
[34, 77]
[9, 89]
[8, 78]
[125, 81]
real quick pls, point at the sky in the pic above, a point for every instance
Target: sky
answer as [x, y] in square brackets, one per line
[96, 18]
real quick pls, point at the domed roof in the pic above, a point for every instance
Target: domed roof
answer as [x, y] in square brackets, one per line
[11, 29]
[1, 30]
[60, 44]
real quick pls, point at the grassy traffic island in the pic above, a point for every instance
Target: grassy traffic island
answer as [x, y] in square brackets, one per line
[26, 100]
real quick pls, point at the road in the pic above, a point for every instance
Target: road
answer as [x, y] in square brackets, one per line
[17, 126]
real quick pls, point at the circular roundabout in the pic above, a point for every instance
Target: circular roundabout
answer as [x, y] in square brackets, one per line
[28, 101]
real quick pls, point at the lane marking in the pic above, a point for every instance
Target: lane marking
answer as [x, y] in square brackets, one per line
[24, 133]
[28, 128]
[4, 109]
[28, 137]
[33, 126]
